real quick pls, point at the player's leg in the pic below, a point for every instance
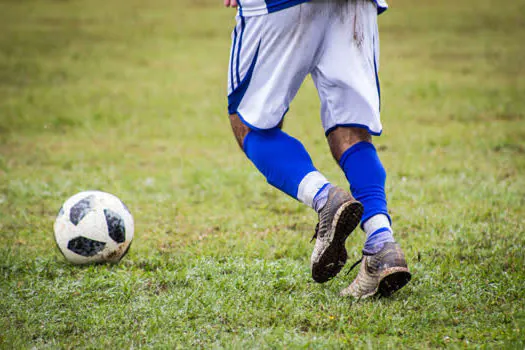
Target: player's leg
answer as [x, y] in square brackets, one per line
[354, 151]
[265, 74]
[285, 163]
[357, 156]
[346, 78]
[268, 63]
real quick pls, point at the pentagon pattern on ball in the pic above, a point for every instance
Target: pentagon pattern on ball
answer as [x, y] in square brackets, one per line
[79, 210]
[61, 211]
[85, 246]
[116, 228]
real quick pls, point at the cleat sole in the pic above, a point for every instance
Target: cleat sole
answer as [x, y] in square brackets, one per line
[333, 258]
[393, 279]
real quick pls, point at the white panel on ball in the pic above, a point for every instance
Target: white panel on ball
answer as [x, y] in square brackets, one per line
[94, 227]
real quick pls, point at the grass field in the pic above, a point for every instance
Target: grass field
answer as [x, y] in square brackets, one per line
[127, 96]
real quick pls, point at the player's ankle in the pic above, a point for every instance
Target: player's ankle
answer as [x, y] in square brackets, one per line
[375, 242]
[378, 232]
[321, 197]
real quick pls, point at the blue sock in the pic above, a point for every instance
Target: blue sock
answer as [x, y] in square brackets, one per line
[367, 177]
[285, 163]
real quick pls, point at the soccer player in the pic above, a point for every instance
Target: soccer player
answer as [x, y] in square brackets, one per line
[275, 45]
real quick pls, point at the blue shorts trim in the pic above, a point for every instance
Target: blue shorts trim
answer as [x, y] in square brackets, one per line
[232, 82]
[361, 126]
[240, 7]
[235, 98]
[253, 127]
[243, 26]
[377, 76]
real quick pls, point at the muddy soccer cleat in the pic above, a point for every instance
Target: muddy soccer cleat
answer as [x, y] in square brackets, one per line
[338, 218]
[382, 273]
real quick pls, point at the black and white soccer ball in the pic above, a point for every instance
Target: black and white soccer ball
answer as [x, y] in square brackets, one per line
[94, 227]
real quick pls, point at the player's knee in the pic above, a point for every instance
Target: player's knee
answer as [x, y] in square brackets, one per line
[240, 130]
[342, 138]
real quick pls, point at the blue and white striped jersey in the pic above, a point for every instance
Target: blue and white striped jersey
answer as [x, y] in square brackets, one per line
[249, 8]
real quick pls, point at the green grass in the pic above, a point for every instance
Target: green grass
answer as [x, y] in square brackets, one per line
[128, 97]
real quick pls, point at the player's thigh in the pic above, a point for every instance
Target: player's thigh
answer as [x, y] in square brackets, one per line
[346, 75]
[270, 57]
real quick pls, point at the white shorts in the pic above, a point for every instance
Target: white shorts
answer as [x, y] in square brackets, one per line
[336, 41]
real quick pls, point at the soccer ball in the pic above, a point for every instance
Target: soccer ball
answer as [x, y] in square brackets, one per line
[93, 227]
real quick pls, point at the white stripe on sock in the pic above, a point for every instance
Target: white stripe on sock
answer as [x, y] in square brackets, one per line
[375, 223]
[309, 186]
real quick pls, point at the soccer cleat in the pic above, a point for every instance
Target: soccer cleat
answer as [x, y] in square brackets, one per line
[382, 273]
[338, 218]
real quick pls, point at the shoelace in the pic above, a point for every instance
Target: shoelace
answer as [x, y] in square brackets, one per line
[315, 234]
[354, 265]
